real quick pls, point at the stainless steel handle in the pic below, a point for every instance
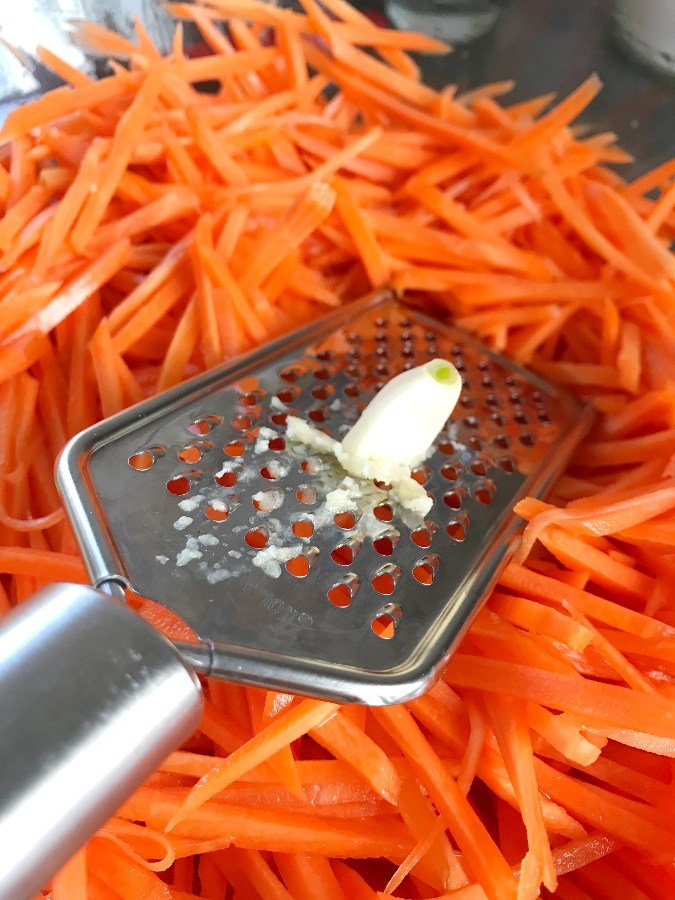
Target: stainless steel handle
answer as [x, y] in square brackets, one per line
[91, 700]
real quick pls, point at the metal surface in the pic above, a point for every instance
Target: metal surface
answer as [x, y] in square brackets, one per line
[92, 700]
[172, 494]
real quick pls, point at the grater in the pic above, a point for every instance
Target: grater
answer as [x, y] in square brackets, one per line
[177, 499]
[198, 500]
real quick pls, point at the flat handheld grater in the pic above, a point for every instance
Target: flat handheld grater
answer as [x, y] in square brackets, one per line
[197, 500]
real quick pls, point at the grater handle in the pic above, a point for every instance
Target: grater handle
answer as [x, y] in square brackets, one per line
[92, 698]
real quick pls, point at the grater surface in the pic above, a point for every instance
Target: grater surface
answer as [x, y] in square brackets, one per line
[177, 496]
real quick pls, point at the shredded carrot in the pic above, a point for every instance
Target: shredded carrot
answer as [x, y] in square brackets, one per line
[149, 230]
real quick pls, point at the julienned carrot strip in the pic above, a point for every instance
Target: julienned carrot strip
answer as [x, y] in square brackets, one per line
[480, 852]
[275, 830]
[76, 291]
[613, 705]
[280, 732]
[70, 883]
[348, 742]
[513, 738]
[519, 578]
[308, 877]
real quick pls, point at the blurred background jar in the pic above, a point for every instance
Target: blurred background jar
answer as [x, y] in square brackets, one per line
[646, 28]
[455, 21]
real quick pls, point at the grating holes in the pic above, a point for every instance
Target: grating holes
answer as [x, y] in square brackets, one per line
[475, 444]
[325, 355]
[354, 371]
[382, 485]
[291, 373]
[408, 351]
[226, 478]
[424, 570]
[352, 390]
[303, 528]
[322, 374]
[527, 439]
[453, 500]
[498, 419]
[544, 417]
[319, 414]
[483, 365]
[382, 351]
[478, 468]
[456, 530]
[277, 444]
[143, 460]
[537, 397]
[384, 624]
[511, 380]
[288, 394]
[515, 398]
[381, 337]
[507, 464]
[275, 469]
[190, 454]
[383, 512]
[217, 511]
[306, 494]
[179, 485]
[266, 501]
[487, 382]
[385, 543]
[322, 391]
[343, 555]
[279, 418]
[432, 351]
[204, 424]
[471, 421]
[460, 365]
[450, 472]
[194, 452]
[407, 335]
[521, 418]
[467, 402]
[429, 335]
[234, 448]
[493, 401]
[382, 369]
[353, 337]
[503, 441]
[421, 474]
[344, 520]
[447, 448]
[256, 538]
[312, 465]
[354, 353]
[422, 536]
[457, 350]
[249, 399]
[381, 322]
[298, 566]
[385, 579]
[485, 492]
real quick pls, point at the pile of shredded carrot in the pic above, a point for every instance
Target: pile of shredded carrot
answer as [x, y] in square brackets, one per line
[150, 230]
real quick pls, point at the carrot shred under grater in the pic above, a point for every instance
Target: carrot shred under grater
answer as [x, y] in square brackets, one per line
[195, 499]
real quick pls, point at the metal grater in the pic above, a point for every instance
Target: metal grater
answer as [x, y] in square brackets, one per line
[176, 497]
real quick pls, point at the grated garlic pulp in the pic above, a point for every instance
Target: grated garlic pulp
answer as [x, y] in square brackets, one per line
[395, 432]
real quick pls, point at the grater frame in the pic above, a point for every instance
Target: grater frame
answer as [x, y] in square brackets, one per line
[311, 647]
